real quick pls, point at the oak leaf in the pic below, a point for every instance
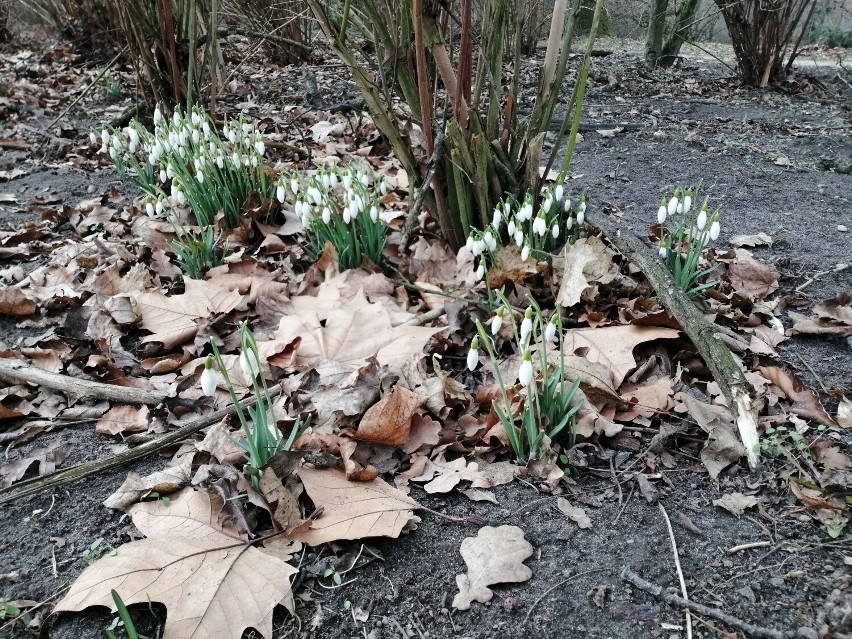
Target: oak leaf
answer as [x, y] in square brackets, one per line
[213, 585]
[494, 556]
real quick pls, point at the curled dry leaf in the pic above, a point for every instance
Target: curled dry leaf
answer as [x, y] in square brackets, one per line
[494, 556]
[723, 446]
[574, 513]
[123, 419]
[13, 302]
[353, 510]
[164, 482]
[586, 265]
[805, 402]
[389, 421]
[752, 277]
[213, 585]
[736, 503]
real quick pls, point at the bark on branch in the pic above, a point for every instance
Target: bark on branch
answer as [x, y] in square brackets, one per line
[704, 335]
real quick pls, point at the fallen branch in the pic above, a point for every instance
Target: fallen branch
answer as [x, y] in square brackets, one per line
[74, 388]
[704, 335]
[414, 211]
[36, 485]
[676, 601]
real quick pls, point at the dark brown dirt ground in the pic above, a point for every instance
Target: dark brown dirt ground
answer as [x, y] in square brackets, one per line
[694, 124]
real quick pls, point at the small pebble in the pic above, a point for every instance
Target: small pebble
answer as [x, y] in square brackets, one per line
[91, 188]
[842, 228]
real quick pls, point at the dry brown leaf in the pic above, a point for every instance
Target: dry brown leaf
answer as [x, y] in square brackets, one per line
[612, 346]
[442, 476]
[836, 308]
[805, 402]
[647, 400]
[164, 482]
[389, 421]
[586, 264]
[425, 432]
[123, 419]
[751, 276]
[353, 510]
[213, 585]
[510, 268]
[648, 490]
[14, 302]
[759, 239]
[802, 324]
[351, 334]
[574, 513]
[723, 446]
[494, 556]
[844, 413]
[47, 458]
[172, 320]
[286, 512]
[736, 503]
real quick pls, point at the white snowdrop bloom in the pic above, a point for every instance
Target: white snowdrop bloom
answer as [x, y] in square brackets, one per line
[103, 149]
[158, 116]
[558, 192]
[196, 136]
[554, 230]
[525, 372]
[347, 181]
[208, 382]
[235, 159]
[254, 161]
[294, 185]
[183, 152]
[567, 206]
[661, 214]
[374, 213]
[326, 215]
[715, 228]
[473, 354]
[383, 187]
[113, 153]
[332, 180]
[525, 252]
[152, 158]
[133, 135]
[199, 175]
[280, 193]
[149, 209]
[354, 212]
[526, 325]
[469, 243]
[246, 128]
[170, 173]
[490, 241]
[687, 203]
[581, 213]
[200, 161]
[701, 221]
[547, 204]
[181, 198]
[232, 137]
[249, 364]
[539, 225]
[173, 139]
[526, 212]
[569, 223]
[364, 179]
[673, 203]
[163, 176]
[511, 227]
[496, 218]
[550, 330]
[507, 209]
[260, 147]
[497, 321]
[478, 247]
[133, 146]
[205, 128]
[93, 138]
[519, 237]
[176, 119]
[159, 207]
[220, 161]
[480, 271]
[314, 195]
[664, 252]
[196, 119]
[347, 215]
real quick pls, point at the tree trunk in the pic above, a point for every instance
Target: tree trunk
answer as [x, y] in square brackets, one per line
[680, 32]
[656, 29]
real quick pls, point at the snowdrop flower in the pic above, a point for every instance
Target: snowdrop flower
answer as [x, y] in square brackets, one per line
[260, 147]
[374, 213]
[235, 159]
[569, 223]
[714, 227]
[249, 364]
[196, 119]
[113, 153]
[489, 240]
[662, 212]
[550, 330]
[133, 135]
[332, 180]
[673, 204]
[558, 192]
[526, 212]
[347, 181]
[176, 118]
[163, 176]
[93, 138]
[246, 128]
[687, 201]
[133, 146]
[473, 354]
[539, 225]
[294, 185]
[554, 230]
[507, 209]
[701, 221]
[326, 215]
[496, 218]
[480, 271]
[525, 373]
[208, 378]
[280, 193]
[567, 205]
[196, 136]
[469, 243]
[383, 187]
[103, 149]
[497, 321]
[314, 195]
[149, 209]
[347, 215]
[158, 116]
[519, 238]
[581, 212]
[364, 179]
[181, 198]
[548, 203]
[205, 127]
[664, 252]
[511, 227]
[232, 136]
[159, 207]
[526, 325]
[169, 172]
[200, 177]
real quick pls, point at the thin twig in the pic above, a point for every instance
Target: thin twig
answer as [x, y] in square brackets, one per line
[626, 501]
[414, 211]
[555, 586]
[814, 373]
[86, 90]
[428, 316]
[755, 544]
[679, 602]
[679, 570]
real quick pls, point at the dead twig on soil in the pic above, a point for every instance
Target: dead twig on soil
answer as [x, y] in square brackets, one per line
[678, 568]
[75, 388]
[704, 335]
[677, 601]
[754, 544]
[36, 485]
[555, 586]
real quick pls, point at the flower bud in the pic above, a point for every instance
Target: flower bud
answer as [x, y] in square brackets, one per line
[497, 322]
[280, 193]
[208, 378]
[550, 330]
[473, 354]
[558, 192]
[525, 373]
[714, 227]
[526, 325]
[701, 221]
[249, 364]
[525, 252]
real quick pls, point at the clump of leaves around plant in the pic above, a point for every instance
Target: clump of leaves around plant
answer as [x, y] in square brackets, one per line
[683, 236]
[340, 206]
[538, 409]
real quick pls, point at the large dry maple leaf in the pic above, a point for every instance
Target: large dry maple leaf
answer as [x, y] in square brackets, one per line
[352, 332]
[213, 585]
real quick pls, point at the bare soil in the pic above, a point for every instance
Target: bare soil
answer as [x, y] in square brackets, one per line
[762, 155]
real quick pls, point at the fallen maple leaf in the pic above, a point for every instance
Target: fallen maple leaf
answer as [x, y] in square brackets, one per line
[353, 510]
[494, 556]
[213, 585]
[352, 333]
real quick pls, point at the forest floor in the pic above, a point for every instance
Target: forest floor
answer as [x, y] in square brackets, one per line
[777, 161]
